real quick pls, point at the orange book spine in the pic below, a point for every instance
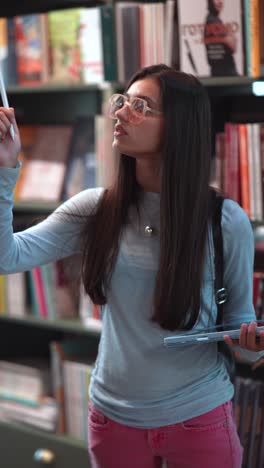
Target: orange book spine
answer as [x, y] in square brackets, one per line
[244, 172]
[255, 38]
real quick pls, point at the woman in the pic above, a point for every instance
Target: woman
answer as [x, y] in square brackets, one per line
[148, 260]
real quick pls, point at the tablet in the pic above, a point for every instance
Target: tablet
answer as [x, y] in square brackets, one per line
[208, 335]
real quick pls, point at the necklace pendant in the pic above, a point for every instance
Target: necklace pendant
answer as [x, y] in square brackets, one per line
[149, 231]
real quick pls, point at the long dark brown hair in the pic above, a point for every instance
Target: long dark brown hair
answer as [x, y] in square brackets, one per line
[184, 205]
[212, 9]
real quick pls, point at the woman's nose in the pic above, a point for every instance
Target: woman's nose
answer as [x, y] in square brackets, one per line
[123, 113]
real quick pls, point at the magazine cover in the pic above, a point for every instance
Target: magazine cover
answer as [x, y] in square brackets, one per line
[211, 37]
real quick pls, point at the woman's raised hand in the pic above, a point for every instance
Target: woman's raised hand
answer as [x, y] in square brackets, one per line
[9, 148]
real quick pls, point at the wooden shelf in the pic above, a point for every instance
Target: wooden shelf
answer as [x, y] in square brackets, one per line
[27, 440]
[63, 438]
[224, 85]
[58, 88]
[70, 325]
[229, 81]
[18, 7]
[35, 207]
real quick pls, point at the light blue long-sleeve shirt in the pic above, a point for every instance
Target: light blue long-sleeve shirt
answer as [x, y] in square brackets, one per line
[137, 381]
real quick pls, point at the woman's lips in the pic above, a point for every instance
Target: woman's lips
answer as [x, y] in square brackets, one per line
[119, 130]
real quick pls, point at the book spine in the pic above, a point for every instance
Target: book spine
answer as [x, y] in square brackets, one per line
[46, 273]
[92, 57]
[255, 33]
[4, 49]
[3, 299]
[244, 172]
[12, 78]
[57, 357]
[108, 42]
[252, 37]
[37, 276]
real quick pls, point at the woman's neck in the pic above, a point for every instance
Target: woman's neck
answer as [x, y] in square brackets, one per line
[148, 175]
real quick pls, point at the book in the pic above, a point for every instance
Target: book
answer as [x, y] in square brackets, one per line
[91, 46]
[24, 380]
[171, 57]
[130, 30]
[44, 167]
[12, 74]
[82, 163]
[42, 181]
[232, 174]
[244, 168]
[252, 37]
[3, 298]
[16, 294]
[32, 49]
[211, 38]
[108, 33]
[64, 38]
[77, 350]
[43, 415]
[76, 376]
[261, 36]
[4, 49]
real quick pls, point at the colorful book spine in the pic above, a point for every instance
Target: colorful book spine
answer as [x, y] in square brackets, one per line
[40, 296]
[252, 37]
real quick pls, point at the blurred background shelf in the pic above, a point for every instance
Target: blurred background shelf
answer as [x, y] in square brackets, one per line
[70, 325]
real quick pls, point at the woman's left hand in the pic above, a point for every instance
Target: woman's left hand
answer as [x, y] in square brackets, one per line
[248, 338]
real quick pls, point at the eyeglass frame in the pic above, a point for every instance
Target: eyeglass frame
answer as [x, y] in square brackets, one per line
[127, 102]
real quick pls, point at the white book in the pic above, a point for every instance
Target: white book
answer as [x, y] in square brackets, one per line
[16, 294]
[24, 381]
[160, 39]
[91, 46]
[42, 180]
[170, 7]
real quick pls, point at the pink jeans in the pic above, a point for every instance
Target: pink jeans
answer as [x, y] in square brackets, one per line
[206, 441]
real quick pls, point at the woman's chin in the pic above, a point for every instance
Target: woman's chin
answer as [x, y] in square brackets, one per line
[117, 145]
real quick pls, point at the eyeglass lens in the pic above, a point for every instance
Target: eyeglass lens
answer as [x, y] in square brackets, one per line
[137, 108]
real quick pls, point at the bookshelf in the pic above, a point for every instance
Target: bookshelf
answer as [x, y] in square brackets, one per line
[55, 103]
[19, 8]
[33, 448]
[231, 98]
[73, 326]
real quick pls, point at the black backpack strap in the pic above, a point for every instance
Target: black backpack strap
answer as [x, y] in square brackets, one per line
[220, 290]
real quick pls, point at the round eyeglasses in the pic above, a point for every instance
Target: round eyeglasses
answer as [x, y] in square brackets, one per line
[138, 108]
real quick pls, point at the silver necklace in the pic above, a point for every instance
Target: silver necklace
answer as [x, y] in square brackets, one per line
[150, 229]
